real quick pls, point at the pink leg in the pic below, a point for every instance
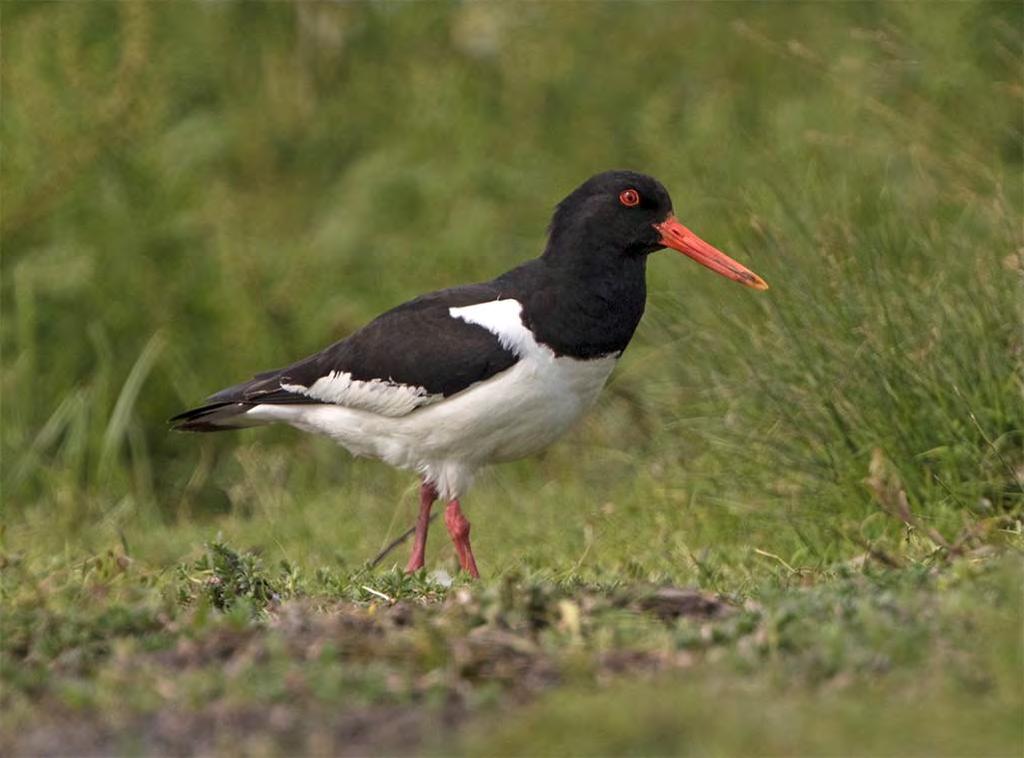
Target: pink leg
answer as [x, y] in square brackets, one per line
[419, 546]
[458, 528]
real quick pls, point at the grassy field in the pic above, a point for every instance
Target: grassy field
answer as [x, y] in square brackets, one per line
[794, 524]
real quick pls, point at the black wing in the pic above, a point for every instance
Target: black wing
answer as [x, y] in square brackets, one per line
[411, 356]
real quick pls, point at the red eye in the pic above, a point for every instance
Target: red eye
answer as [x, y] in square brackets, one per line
[629, 198]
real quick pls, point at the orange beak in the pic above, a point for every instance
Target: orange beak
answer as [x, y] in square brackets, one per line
[678, 237]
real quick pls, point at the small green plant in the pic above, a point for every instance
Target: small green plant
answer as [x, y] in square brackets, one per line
[223, 576]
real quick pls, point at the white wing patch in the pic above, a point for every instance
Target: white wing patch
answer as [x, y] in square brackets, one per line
[377, 395]
[503, 319]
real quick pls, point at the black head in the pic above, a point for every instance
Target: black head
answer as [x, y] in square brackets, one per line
[619, 215]
[611, 213]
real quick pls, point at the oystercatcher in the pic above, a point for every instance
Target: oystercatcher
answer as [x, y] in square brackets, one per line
[464, 377]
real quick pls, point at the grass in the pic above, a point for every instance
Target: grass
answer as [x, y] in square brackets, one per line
[855, 667]
[226, 654]
[194, 194]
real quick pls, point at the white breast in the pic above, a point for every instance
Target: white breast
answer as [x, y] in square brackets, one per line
[528, 407]
[511, 415]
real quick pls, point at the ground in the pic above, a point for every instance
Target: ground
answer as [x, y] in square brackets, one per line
[793, 522]
[225, 655]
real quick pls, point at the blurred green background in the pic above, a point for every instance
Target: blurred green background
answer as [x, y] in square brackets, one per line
[193, 192]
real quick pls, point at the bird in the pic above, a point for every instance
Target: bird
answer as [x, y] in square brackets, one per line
[461, 378]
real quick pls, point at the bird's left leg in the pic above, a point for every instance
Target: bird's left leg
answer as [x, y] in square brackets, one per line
[419, 546]
[458, 528]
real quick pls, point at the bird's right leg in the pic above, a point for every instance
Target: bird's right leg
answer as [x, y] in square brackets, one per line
[419, 546]
[458, 528]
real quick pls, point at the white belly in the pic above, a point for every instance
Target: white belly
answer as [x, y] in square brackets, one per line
[521, 411]
[512, 415]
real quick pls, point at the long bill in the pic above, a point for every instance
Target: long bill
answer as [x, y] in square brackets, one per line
[678, 237]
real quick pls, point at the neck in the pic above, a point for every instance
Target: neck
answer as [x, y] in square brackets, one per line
[591, 302]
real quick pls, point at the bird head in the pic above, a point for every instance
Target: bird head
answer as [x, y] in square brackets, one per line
[625, 213]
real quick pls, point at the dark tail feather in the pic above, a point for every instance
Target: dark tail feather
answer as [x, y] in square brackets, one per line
[214, 417]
